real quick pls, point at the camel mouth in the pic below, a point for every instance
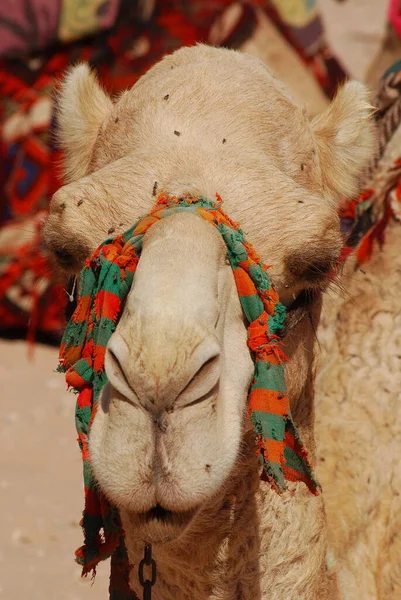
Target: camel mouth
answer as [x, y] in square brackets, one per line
[159, 513]
[159, 524]
[168, 517]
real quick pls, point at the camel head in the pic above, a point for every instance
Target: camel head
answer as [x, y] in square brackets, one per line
[171, 423]
[171, 420]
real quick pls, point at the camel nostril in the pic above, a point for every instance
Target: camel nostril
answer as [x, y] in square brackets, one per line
[116, 358]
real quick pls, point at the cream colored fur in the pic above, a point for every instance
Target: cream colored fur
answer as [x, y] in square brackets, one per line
[344, 123]
[359, 417]
[359, 425]
[82, 107]
[203, 121]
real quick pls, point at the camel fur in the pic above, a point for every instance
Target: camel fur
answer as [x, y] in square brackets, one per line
[202, 121]
[358, 415]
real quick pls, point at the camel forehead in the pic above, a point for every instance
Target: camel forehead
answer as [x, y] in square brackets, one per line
[204, 96]
[201, 75]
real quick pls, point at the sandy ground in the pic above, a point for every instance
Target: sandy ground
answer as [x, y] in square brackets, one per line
[40, 481]
[40, 466]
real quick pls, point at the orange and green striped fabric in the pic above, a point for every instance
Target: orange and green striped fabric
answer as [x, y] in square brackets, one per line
[105, 282]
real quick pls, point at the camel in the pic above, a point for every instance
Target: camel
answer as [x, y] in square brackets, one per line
[358, 421]
[183, 470]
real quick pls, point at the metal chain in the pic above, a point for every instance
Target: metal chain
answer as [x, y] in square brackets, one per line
[147, 584]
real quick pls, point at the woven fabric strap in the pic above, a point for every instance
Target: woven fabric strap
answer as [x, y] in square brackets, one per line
[104, 284]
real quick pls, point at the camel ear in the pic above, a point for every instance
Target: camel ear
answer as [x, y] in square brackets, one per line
[345, 137]
[82, 108]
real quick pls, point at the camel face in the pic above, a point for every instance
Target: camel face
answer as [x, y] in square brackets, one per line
[202, 121]
[171, 422]
[168, 430]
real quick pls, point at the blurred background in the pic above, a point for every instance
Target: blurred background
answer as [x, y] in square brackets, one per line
[311, 46]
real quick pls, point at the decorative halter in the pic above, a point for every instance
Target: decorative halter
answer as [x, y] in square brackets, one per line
[104, 284]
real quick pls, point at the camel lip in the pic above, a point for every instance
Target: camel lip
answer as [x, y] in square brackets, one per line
[159, 513]
[162, 515]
